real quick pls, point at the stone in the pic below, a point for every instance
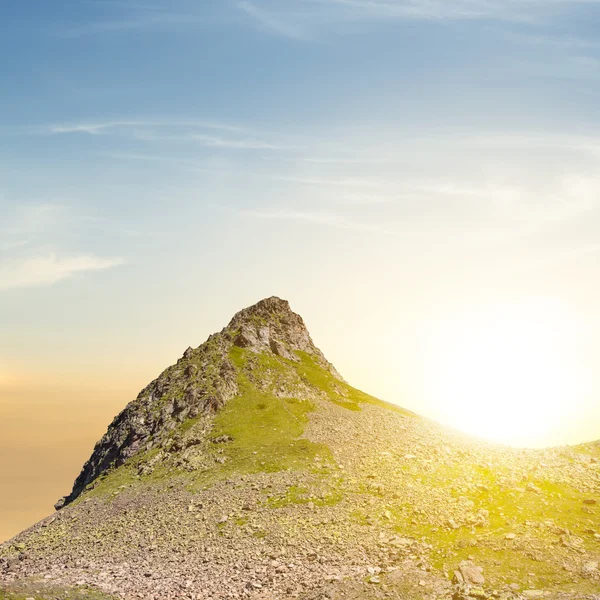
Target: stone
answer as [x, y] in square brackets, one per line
[589, 569]
[279, 349]
[471, 574]
[222, 439]
[191, 370]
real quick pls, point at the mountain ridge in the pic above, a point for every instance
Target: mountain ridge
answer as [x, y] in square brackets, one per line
[251, 469]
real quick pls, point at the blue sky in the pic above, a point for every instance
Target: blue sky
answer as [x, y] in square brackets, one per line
[383, 164]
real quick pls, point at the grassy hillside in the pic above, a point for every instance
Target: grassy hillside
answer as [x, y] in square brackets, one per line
[304, 485]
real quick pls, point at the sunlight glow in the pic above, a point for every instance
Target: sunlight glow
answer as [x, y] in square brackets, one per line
[8, 375]
[510, 374]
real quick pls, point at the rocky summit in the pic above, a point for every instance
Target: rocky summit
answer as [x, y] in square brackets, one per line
[251, 469]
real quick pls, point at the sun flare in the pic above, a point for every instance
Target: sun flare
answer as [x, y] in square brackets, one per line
[510, 374]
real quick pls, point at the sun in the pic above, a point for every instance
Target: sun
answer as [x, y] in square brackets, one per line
[510, 373]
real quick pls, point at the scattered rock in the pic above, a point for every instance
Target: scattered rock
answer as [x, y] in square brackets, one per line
[470, 573]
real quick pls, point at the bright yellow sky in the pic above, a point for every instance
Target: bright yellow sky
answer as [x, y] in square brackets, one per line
[514, 374]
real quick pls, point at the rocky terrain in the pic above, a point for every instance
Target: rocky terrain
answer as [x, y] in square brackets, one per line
[251, 469]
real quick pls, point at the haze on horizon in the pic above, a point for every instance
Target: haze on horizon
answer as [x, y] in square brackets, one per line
[419, 179]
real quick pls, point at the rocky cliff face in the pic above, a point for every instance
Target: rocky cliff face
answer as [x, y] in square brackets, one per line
[271, 326]
[200, 383]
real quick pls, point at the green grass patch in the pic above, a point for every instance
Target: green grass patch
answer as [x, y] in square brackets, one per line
[266, 434]
[302, 495]
[112, 483]
[358, 516]
[266, 430]
[338, 392]
[591, 449]
[513, 508]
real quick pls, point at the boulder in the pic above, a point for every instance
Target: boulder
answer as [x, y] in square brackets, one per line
[471, 574]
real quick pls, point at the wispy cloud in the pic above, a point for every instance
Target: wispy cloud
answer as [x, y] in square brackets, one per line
[510, 10]
[195, 165]
[316, 218]
[333, 160]
[235, 144]
[30, 232]
[301, 19]
[118, 126]
[330, 181]
[45, 270]
[365, 199]
[267, 20]
[558, 41]
[148, 130]
[411, 9]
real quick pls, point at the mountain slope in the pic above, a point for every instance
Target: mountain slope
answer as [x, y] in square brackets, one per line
[201, 382]
[252, 469]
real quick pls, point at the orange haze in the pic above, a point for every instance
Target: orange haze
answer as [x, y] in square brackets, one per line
[47, 432]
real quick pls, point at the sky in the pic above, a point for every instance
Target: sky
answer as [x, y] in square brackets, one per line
[419, 178]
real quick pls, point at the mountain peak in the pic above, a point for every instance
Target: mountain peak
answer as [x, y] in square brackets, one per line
[267, 312]
[202, 382]
[267, 306]
[271, 325]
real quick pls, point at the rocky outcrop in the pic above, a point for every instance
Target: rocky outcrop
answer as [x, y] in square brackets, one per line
[271, 326]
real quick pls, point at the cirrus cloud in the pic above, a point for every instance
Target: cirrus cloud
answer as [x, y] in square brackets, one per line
[45, 270]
